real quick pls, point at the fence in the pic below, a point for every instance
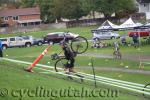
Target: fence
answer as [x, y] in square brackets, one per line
[88, 22]
[19, 29]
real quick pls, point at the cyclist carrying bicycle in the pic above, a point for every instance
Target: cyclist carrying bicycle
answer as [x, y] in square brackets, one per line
[117, 53]
[116, 46]
[70, 56]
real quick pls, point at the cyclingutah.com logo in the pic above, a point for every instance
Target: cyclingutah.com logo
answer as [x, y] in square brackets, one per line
[3, 92]
[53, 93]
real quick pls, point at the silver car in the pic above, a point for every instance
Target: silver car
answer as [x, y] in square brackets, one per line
[105, 35]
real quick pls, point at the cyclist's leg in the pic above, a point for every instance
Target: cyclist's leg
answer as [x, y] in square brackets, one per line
[115, 54]
[71, 67]
[119, 54]
[67, 64]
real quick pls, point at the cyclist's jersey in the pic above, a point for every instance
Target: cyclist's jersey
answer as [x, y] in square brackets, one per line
[116, 45]
[68, 53]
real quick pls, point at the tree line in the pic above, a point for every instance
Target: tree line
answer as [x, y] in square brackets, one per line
[75, 9]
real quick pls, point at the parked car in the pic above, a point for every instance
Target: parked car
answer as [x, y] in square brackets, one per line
[15, 42]
[56, 37]
[141, 33]
[36, 41]
[105, 35]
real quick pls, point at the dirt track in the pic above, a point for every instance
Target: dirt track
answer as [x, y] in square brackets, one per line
[126, 57]
[135, 71]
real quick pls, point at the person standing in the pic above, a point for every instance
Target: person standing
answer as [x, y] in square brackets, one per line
[1, 49]
[135, 40]
[123, 40]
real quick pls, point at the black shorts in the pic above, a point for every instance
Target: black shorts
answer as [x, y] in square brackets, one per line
[1, 53]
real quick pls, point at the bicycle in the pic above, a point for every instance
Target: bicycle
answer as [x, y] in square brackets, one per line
[117, 54]
[78, 45]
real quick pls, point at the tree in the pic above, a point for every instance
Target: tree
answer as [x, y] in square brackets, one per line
[108, 7]
[73, 9]
[9, 4]
[125, 8]
[92, 4]
[105, 6]
[46, 8]
[70, 9]
[57, 9]
[27, 3]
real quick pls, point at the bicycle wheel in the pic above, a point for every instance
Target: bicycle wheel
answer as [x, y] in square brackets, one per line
[119, 55]
[115, 54]
[79, 45]
[60, 65]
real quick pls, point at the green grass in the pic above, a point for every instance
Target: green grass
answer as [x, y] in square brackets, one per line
[14, 77]
[125, 50]
[82, 62]
[83, 31]
[29, 54]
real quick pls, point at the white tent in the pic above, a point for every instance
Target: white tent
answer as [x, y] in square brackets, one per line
[148, 24]
[139, 24]
[130, 24]
[108, 25]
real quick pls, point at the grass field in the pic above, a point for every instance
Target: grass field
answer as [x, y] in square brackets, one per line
[20, 83]
[14, 78]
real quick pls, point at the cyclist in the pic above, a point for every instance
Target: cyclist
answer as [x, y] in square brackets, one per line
[70, 56]
[116, 53]
[116, 46]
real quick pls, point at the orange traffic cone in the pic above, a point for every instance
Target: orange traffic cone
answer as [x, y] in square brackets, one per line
[29, 69]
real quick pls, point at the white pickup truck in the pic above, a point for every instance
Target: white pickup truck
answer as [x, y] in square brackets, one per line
[15, 42]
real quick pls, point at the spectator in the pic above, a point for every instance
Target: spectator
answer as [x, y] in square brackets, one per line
[96, 43]
[1, 47]
[123, 40]
[135, 40]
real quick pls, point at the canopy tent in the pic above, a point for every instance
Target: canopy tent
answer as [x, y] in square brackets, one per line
[148, 24]
[139, 24]
[129, 24]
[107, 25]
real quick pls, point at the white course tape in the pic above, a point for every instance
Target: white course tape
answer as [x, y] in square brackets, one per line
[109, 81]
